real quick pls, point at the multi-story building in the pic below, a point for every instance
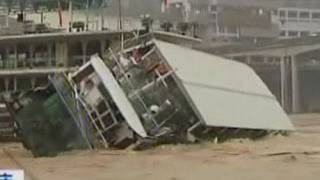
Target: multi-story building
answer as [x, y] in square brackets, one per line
[297, 22]
[292, 18]
[240, 20]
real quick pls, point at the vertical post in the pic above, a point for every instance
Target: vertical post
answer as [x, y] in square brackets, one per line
[120, 15]
[7, 20]
[102, 47]
[49, 48]
[15, 56]
[264, 59]
[295, 85]
[42, 18]
[102, 15]
[84, 51]
[283, 81]
[61, 53]
[310, 16]
[238, 32]
[7, 58]
[87, 16]
[6, 83]
[15, 84]
[31, 55]
[66, 58]
[57, 52]
[120, 24]
[33, 82]
[71, 15]
[248, 60]
[217, 24]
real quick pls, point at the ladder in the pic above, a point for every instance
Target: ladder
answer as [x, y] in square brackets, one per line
[102, 121]
[133, 89]
[68, 97]
[106, 119]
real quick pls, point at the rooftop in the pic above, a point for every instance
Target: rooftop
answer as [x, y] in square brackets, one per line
[273, 4]
[239, 47]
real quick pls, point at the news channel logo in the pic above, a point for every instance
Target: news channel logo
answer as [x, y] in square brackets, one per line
[11, 175]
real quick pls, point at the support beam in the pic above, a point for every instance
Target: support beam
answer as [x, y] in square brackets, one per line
[15, 50]
[248, 59]
[103, 46]
[50, 58]
[71, 16]
[265, 60]
[102, 18]
[33, 82]
[84, 45]
[61, 54]
[6, 84]
[7, 57]
[15, 84]
[31, 55]
[283, 82]
[295, 85]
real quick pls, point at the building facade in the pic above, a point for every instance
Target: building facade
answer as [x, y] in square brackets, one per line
[297, 22]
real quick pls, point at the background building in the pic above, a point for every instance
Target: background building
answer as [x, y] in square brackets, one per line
[297, 21]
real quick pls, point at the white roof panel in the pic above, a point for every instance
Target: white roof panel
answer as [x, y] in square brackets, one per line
[225, 92]
[118, 96]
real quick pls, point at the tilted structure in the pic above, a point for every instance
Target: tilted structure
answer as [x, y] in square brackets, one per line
[149, 92]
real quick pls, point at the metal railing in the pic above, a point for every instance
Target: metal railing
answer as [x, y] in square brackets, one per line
[69, 99]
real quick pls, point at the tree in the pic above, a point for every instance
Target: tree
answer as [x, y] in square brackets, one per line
[146, 22]
[166, 26]
[183, 27]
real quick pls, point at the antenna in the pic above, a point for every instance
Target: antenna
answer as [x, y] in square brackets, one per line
[71, 15]
[87, 16]
[120, 24]
[102, 6]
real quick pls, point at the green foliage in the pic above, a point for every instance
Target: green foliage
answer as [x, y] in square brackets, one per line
[183, 27]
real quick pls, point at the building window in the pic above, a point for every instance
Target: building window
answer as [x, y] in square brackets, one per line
[316, 15]
[292, 14]
[221, 29]
[260, 11]
[232, 30]
[293, 33]
[304, 33]
[275, 12]
[213, 8]
[283, 33]
[282, 13]
[214, 16]
[304, 15]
